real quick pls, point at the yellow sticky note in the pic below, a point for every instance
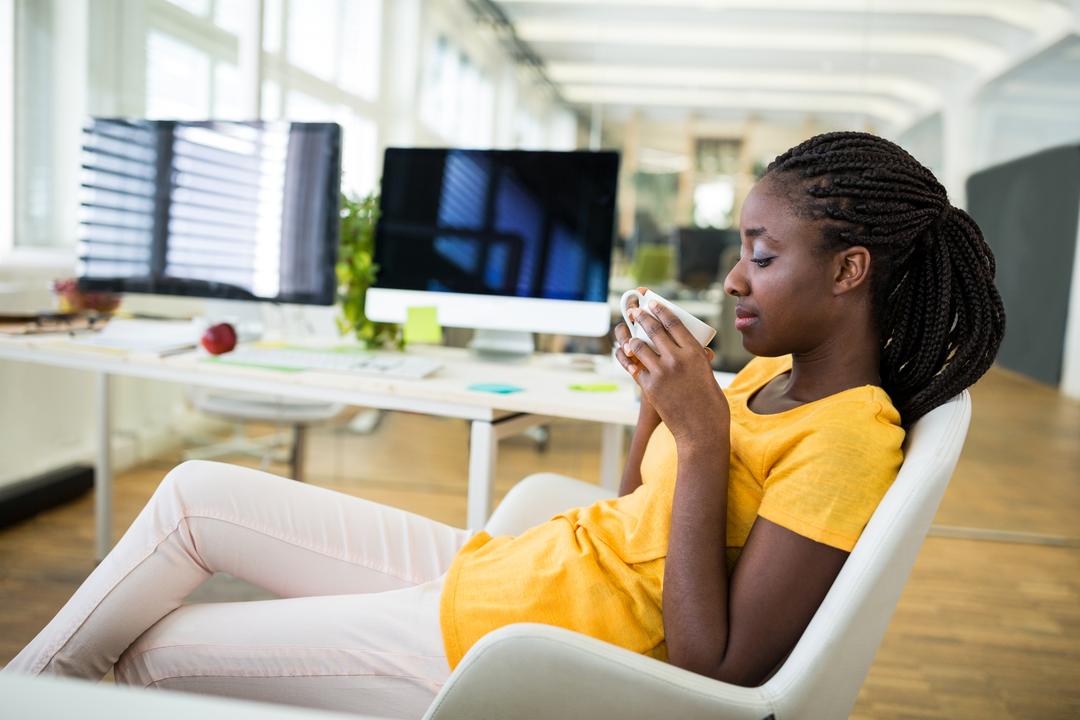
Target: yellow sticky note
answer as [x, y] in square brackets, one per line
[422, 326]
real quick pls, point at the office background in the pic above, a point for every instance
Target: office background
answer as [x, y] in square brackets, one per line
[697, 96]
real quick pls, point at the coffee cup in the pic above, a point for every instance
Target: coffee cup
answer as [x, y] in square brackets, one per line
[702, 332]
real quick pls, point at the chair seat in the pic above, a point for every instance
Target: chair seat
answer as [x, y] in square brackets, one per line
[251, 407]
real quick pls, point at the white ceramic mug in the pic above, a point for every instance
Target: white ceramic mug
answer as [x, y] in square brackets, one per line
[702, 332]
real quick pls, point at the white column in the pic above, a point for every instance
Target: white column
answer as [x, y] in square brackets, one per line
[69, 102]
[250, 60]
[399, 75]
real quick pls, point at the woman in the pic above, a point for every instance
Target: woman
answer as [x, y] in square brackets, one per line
[869, 301]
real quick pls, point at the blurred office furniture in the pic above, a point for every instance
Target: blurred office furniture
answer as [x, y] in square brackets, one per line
[731, 356]
[698, 252]
[646, 229]
[653, 264]
[1028, 210]
[546, 380]
[540, 671]
[241, 408]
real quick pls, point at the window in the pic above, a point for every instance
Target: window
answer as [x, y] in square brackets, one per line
[177, 79]
[35, 156]
[193, 59]
[322, 62]
[458, 98]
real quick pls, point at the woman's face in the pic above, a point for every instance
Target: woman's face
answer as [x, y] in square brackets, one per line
[784, 287]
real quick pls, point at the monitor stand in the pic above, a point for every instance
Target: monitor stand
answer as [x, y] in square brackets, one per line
[503, 345]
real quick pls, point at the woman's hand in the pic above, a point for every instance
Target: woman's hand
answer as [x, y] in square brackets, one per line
[647, 415]
[675, 378]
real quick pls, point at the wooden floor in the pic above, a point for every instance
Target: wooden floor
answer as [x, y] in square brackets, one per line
[984, 629]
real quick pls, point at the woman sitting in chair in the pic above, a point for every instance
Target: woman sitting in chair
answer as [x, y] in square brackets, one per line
[868, 300]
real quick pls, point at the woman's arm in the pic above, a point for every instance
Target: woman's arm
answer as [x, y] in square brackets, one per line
[738, 631]
[648, 419]
[735, 631]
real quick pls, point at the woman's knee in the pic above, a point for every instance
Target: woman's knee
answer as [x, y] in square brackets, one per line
[199, 481]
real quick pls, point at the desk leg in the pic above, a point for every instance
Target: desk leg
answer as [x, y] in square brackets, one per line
[103, 471]
[483, 444]
[611, 455]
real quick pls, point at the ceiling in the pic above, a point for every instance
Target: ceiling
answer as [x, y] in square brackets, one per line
[884, 63]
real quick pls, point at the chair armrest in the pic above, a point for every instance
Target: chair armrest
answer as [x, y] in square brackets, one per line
[527, 670]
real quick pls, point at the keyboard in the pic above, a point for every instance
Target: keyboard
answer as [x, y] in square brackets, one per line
[345, 360]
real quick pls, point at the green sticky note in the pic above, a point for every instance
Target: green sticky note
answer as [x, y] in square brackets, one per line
[595, 387]
[422, 326]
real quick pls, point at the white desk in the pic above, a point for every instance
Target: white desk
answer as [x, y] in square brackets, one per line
[546, 394]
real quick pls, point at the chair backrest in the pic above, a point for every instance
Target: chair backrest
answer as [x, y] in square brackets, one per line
[822, 675]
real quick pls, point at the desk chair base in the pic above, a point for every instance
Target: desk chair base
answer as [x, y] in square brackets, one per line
[281, 446]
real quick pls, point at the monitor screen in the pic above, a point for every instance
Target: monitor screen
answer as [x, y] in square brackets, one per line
[236, 210]
[528, 224]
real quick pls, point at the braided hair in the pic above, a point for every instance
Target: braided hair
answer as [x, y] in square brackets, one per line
[932, 294]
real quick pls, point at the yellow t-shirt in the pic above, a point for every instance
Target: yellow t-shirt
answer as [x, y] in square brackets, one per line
[818, 470]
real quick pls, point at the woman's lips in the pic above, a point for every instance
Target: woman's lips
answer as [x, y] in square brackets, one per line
[744, 318]
[741, 323]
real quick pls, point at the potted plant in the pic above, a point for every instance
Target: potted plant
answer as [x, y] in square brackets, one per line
[356, 271]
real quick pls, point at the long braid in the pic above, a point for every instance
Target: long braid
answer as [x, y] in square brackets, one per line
[939, 316]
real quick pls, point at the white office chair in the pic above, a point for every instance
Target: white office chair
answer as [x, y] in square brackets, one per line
[539, 671]
[241, 408]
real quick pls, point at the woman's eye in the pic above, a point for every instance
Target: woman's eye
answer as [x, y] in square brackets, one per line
[761, 262]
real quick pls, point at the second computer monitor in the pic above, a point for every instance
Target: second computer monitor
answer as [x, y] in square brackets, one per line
[699, 251]
[496, 239]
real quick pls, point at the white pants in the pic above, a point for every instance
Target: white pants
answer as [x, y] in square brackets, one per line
[357, 628]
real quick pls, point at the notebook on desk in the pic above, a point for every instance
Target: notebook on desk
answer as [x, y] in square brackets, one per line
[153, 337]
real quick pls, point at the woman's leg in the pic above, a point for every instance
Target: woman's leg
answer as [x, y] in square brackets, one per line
[377, 653]
[290, 538]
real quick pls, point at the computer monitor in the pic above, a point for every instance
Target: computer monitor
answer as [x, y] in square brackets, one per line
[698, 252]
[233, 210]
[504, 240]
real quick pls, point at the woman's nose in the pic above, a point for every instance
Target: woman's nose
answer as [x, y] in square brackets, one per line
[735, 282]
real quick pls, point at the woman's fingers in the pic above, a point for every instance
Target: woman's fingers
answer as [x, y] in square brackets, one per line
[673, 325]
[640, 351]
[656, 331]
[629, 365]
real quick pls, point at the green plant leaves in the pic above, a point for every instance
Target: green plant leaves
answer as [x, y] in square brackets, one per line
[356, 272]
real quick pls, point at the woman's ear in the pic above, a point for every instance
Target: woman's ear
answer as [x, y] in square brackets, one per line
[851, 269]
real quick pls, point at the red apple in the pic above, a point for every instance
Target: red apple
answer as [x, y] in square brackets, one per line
[220, 338]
